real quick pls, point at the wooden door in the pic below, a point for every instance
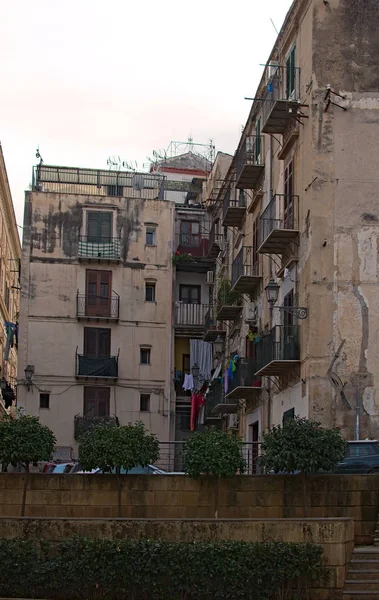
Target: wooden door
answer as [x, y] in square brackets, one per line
[98, 293]
[96, 401]
[288, 197]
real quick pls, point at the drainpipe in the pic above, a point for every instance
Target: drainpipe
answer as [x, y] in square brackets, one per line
[357, 415]
[170, 378]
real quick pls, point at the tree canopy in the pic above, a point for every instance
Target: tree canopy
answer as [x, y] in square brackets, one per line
[213, 452]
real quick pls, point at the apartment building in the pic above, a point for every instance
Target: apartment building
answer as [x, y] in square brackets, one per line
[10, 255]
[296, 278]
[96, 318]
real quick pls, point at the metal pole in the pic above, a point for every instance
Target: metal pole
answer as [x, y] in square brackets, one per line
[357, 415]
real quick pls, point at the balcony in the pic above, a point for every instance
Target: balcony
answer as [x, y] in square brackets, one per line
[279, 224]
[99, 249]
[250, 162]
[246, 271]
[282, 101]
[83, 424]
[212, 329]
[89, 367]
[97, 308]
[215, 242]
[245, 384]
[228, 302]
[278, 352]
[213, 398]
[190, 319]
[234, 209]
[195, 244]
[220, 404]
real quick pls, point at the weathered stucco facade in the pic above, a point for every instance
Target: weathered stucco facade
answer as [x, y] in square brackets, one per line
[62, 258]
[305, 215]
[10, 255]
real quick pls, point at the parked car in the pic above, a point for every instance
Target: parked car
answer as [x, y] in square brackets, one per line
[362, 456]
[149, 470]
[62, 468]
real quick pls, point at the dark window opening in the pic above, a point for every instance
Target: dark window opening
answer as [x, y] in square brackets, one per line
[150, 236]
[291, 75]
[97, 342]
[44, 400]
[144, 402]
[115, 190]
[288, 415]
[6, 296]
[150, 292]
[96, 401]
[145, 354]
[190, 294]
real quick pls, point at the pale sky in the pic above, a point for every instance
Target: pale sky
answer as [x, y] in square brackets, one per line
[86, 79]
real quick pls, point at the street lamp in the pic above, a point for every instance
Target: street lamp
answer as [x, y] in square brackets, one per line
[195, 370]
[218, 346]
[272, 295]
[29, 372]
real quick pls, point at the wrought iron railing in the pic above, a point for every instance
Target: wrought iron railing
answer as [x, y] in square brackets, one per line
[102, 248]
[284, 85]
[214, 397]
[281, 344]
[237, 199]
[215, 235]
[190, 314]
[246, 263]
[281, 213]
[83, 423]
[89, 366]
[251, 154]
[88, 305]
[244, 375]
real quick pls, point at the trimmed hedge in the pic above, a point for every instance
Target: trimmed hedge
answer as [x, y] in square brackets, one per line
[80, 568]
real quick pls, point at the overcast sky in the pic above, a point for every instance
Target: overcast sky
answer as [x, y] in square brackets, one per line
[88, 79]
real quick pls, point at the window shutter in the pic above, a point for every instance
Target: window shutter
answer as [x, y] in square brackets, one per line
[106, 225]
[104, 342]
[90, 341]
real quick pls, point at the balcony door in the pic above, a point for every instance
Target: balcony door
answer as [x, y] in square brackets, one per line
[97, 342]
[190, 294]
[189, 234]
[99, 227]
[288, 197]
[98, 293]
[96, 401]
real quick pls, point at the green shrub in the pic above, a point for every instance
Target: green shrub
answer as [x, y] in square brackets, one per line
[157, 570]
[213, 452]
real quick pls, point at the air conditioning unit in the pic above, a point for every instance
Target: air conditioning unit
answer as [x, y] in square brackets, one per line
[271, 70]
[210, 276]
[233, 422]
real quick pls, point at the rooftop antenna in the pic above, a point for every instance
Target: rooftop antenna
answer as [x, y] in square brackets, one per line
[39, 156]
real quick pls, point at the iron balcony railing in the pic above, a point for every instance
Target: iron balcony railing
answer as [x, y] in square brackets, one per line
[281, 213]
[94, 182]
[106, 307]
[83, 423]
[251, 154]
[214, 397]
[192, 243]
[284, 85]
[190, 314]
[244, 375]
[246, 264]
[210, 321]
[215, 235]
[90, 366]
[280, 344]
[101, 248]
[237, 199]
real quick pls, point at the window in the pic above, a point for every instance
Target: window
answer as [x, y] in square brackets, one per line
[190, 233]
[151, 236]
[145, 354]
[289, 220]
[96, 401]
[6, 296]
[190, 294]
[288, 302]
[97, 342]
[115, 190]
[291, 75]
[44, 400]
[150, 292]
[255, 247]
[98, 292]
[144, 402]
[288, 415]
[258, 141]
[99, 226]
